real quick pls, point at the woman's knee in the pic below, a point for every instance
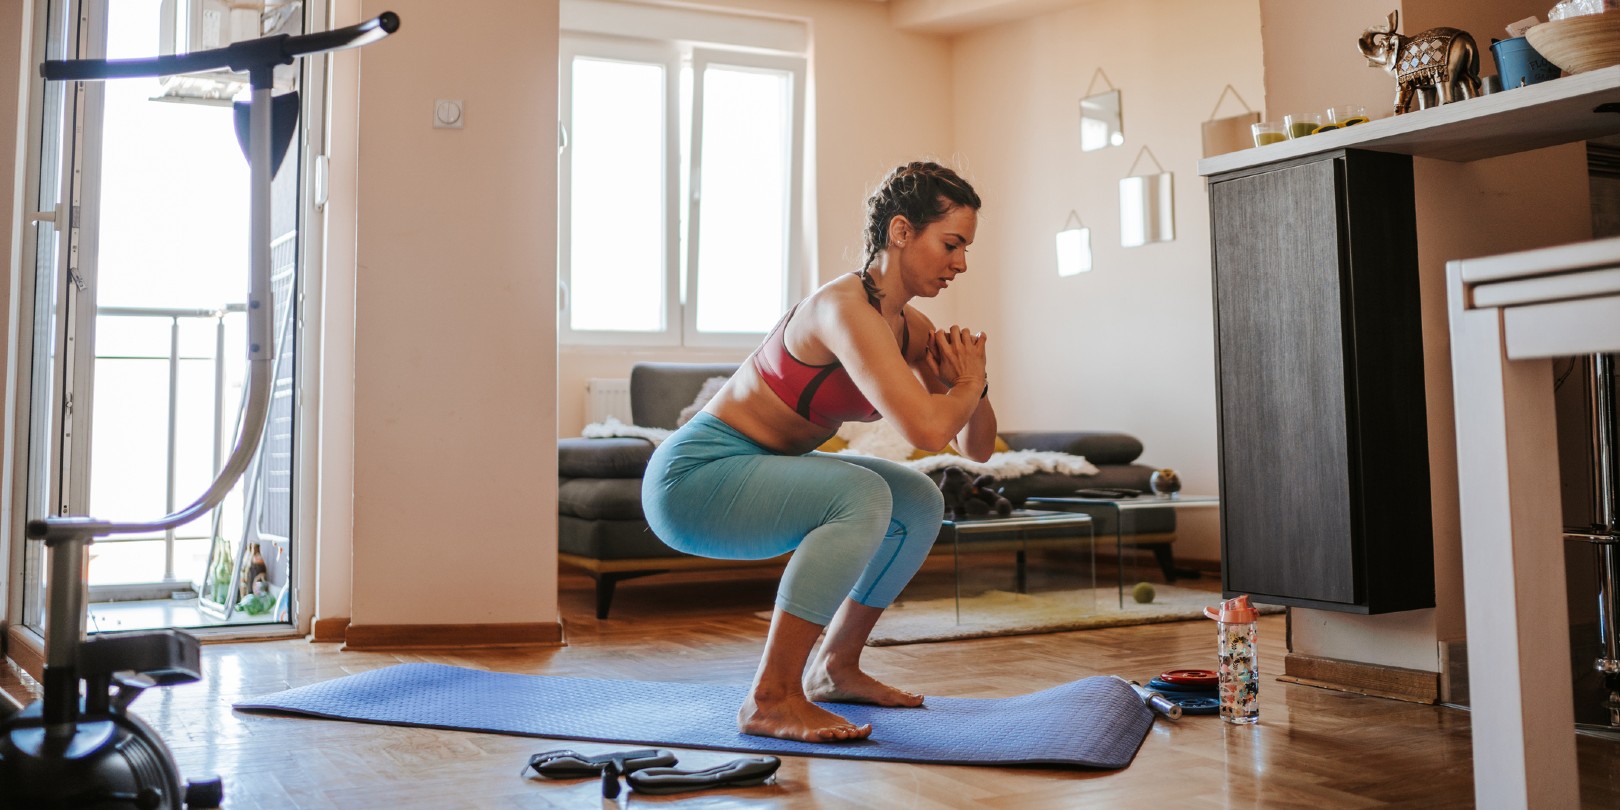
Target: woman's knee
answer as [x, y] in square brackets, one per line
[862, 496]
[917, 496]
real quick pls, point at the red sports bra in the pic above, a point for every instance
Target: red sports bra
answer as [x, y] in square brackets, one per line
[825, 395]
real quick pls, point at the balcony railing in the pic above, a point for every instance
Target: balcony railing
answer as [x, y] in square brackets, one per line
[170, 582]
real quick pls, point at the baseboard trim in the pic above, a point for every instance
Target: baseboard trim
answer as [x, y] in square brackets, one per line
[1378, 680]
[419, 636]
[329, 630]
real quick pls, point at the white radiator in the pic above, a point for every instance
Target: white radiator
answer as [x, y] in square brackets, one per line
[607, 396]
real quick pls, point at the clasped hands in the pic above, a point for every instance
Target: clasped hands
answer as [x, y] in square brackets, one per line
[956, 356]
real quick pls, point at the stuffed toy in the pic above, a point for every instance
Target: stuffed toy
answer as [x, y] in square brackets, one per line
[259, 602]
[971, 496]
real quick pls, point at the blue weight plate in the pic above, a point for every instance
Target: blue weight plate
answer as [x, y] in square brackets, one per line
[1196, 705]
[1179, 688]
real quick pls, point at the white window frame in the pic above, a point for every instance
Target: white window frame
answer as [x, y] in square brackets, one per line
[642, 52]
[794, 226]
[681, 279]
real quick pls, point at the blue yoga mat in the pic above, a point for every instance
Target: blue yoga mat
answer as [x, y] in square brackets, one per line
[1096, 722]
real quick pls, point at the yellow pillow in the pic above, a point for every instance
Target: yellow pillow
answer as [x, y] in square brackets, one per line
[833, 444]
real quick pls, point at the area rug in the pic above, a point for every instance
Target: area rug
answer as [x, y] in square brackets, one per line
[1096, 722]
[1000, 613]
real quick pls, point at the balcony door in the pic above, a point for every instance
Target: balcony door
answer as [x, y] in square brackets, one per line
[136, 361]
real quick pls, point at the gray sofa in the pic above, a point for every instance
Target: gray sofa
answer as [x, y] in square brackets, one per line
[601, 529]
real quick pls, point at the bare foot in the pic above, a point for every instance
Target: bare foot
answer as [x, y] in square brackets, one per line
[854, 686]
[794, 717]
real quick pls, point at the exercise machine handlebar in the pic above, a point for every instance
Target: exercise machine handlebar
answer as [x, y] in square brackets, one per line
[240, 56]
[257, 57]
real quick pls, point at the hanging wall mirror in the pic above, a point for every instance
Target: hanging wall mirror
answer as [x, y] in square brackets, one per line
[1074, 247]
[1101, 124]
[1147, 211]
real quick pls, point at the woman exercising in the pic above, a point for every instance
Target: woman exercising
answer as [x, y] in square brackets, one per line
[742, 479]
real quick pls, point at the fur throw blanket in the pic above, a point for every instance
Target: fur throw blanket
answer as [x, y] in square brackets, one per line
[880, 439]
[1008, 464]
[612, 428]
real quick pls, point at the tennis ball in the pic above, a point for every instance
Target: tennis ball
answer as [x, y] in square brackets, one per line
[1143, 592]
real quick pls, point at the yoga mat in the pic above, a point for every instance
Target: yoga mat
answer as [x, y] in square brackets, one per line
[1097, 722]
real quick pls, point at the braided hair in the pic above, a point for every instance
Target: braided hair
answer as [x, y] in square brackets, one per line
[920, 191]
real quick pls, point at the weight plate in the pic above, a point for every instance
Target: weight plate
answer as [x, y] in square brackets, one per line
[1196, 705]
[1191, 677]
[1180, 688]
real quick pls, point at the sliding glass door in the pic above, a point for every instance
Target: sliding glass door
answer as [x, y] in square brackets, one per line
[137, 354]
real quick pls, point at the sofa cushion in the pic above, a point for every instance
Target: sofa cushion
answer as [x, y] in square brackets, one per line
[603, 458]
[658, 391]
[601, 498]
[610, 539]
[1099, 447]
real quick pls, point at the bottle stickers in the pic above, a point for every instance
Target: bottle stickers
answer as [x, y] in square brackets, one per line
[1239, 673]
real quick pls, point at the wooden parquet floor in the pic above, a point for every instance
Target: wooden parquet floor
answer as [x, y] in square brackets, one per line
[1314, 748]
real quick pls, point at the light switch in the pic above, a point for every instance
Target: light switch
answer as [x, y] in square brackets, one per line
[447, 114]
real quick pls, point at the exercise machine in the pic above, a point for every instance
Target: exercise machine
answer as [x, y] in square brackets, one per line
[90, 750]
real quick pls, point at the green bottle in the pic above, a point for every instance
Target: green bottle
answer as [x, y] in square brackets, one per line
[222, 576]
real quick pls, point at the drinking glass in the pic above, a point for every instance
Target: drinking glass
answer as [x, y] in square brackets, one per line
[1301, 124]
[1347, 115]
[1268, 132]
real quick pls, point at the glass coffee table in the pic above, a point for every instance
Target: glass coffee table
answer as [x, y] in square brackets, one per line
[1124, 512]
[1016, 531]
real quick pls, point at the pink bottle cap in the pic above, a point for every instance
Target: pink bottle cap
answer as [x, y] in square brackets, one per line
[1236, 610]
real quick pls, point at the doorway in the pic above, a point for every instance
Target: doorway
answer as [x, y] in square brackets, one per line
[138, 353]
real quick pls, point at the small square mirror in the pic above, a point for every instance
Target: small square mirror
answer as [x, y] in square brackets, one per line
[1100, 122]
[1147, 209]
[1074, 251]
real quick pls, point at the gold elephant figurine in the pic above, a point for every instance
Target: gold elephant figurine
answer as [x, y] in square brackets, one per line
[1443, 58]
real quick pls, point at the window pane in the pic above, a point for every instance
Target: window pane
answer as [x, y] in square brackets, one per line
[616, 197]
[743, 232]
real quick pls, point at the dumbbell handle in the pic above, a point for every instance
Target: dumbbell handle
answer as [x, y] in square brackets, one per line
[1156, 701]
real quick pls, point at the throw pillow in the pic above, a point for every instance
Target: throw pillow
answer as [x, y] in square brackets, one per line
[834, 444]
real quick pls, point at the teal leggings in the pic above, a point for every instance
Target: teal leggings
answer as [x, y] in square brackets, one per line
[861, 525]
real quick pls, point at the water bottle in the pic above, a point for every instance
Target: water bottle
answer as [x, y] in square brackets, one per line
[1238, 676]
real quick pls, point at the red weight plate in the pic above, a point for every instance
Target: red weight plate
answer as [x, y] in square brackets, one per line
[1190, 677]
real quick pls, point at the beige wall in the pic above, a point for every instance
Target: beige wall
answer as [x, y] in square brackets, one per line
[1129, 345]
[879, 97]
[455, 474]
[1312, 61]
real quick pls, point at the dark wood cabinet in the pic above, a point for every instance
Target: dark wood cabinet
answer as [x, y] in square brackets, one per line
[1319, 350]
